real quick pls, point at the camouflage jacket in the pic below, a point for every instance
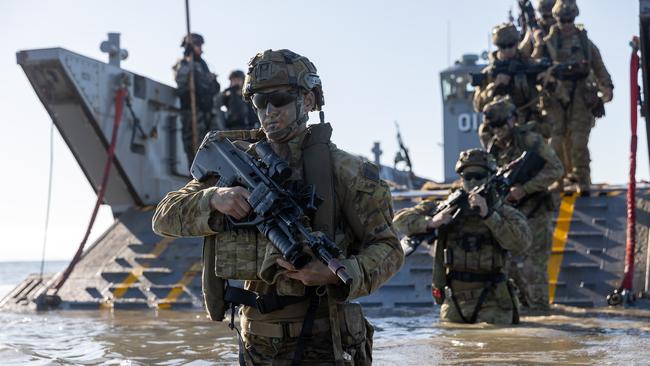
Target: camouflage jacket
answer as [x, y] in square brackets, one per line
[363, 231]
[205, 84]
[507, 225]
[522, 90]
[525, 140]
[575, 47]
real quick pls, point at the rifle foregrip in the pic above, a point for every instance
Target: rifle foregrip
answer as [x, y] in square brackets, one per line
[339, 269]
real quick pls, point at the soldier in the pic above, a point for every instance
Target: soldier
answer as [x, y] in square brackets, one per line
[521, 87]
[545, 21]
[469, 273]
[206, 88]
[281, 302]
[233, 112]
[532, 198]
[576, 80]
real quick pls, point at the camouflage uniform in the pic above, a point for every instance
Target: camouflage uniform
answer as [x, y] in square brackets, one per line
[530, 270]
[574, 97]
[522, 88]
[470, 257]
[206, 88]
[362, 230]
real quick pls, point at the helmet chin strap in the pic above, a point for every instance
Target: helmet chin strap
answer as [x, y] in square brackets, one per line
[285, 134]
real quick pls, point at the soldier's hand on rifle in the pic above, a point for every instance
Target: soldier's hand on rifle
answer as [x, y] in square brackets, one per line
[315, 273]
[516, 193]
[607, 94]
[231, 201]
[502, 79]
[478, 201]
[442, 218]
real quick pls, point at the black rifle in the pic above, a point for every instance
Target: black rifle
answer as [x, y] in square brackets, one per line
[275, 210]
[564, 71]
[512, 67]
[516, 172]
[527, 16]
[403, 154]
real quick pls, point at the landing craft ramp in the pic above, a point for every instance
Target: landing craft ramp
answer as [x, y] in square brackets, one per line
[131, 267]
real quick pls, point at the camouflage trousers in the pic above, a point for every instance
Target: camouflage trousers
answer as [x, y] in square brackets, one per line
[497, 309]
[572, 125]
[204, 123]
[530, 270]
[266, 348]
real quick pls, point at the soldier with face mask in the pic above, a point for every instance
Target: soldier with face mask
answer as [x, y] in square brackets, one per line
[290, 315]
[206, 88]
[532, 198]
[521, 87]
[470, 280]
[578, 88]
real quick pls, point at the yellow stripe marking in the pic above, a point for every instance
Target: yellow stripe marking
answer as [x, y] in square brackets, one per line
[136, 273]
[560, 236]
[178, 289]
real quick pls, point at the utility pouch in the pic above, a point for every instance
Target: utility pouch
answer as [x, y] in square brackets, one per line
[356, 333]
[238, 254]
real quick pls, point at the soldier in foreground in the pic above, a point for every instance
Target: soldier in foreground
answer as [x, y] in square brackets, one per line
[292, 315]
[532, 198]
[520, 85]
[575, 101]
[470, 281]
[206, 88]
[233, 112]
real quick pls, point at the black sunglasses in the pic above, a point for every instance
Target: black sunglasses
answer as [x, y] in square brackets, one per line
[474, 176]
[277, 99]
[506, 46]
[566, 20]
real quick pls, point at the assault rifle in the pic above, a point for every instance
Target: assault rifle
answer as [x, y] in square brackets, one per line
[563, 71]
[516, 172]
[527, 16]
[276, 211]
[512, 67]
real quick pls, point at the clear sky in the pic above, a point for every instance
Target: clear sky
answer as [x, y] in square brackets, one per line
[379, 61]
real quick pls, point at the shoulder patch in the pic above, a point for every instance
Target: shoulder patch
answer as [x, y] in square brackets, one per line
[371, 171]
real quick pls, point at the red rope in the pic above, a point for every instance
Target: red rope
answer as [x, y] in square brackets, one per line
[628, 273]
[119, 99]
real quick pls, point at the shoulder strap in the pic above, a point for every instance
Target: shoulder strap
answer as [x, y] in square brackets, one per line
[245, 135]
[317, 165]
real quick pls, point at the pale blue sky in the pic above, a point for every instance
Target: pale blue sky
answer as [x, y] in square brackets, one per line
[379, 62]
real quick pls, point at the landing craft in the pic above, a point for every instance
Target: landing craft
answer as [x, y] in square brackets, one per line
[131, 267]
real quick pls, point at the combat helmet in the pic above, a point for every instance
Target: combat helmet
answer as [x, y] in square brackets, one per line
[499, 110]
[196, 38]
[565, 9]
[282, 68]
[545, 7]
[505, 34]
[475, 157]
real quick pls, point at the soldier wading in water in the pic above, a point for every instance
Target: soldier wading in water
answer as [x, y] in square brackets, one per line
[280, 302]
